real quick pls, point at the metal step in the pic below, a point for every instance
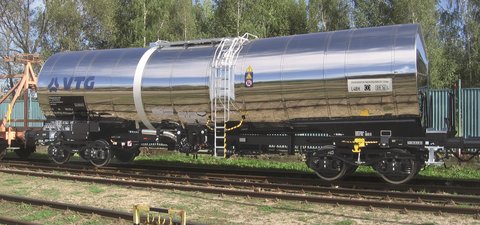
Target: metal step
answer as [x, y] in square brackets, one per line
[222, 83]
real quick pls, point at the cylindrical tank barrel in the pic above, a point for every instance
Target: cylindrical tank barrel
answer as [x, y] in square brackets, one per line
[341, 74]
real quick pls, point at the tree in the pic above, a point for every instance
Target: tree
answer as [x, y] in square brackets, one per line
[182, 24]
[461, 35]
[472, 43]
[328, 15]
[139, 22]
[298, 18]
[263, 18]
[64, 27]
[23, 24]
[21, 27]
[98, 22]
[371, 13]
[77, 24]
[124, 34]
[204, 17]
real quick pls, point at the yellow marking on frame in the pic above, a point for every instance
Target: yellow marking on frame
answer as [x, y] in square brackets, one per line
[358, 143]
[9, 113]
[364, 112]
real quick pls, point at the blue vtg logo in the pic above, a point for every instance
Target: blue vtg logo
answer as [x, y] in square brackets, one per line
[87, 81]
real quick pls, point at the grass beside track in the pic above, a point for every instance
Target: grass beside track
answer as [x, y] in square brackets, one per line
[260, 162]
[275, 162]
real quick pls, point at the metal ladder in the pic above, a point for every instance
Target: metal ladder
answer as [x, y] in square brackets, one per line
[222, 90]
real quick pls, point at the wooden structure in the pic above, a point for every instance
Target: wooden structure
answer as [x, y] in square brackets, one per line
[14, 137]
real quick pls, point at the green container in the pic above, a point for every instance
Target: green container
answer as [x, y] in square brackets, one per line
[438, 101]
[469, 112]
[17, 116]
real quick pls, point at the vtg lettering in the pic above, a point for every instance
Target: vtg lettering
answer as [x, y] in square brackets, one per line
[72, 82]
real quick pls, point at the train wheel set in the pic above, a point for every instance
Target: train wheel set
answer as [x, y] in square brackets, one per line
[99, 153]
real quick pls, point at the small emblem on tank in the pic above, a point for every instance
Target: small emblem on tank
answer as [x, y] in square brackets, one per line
[249, 77]
[53, 86]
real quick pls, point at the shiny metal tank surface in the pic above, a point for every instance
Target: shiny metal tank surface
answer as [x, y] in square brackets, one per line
[364, 72]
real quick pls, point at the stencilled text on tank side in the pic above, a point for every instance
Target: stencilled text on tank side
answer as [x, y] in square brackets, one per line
[370, 85]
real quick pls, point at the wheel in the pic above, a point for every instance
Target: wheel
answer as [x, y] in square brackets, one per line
[126, 155]
[3, 148]
[58, 154]
[83, 153]
[184, 146]
[25, 151]
[326, 166]
[399, 166]
[101, 154]
[27, 146]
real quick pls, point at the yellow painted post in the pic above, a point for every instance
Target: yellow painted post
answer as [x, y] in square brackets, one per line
[9, 112]
[136, 215]
[225, 140]
[181, 213]
[137, 212]
[184, 217]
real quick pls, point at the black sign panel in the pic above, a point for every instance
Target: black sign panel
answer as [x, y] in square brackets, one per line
[249, 77]
[68, 106]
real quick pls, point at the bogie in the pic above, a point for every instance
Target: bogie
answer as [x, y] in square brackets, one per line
[398, 166]
[325, 165]
[395, 166]
[59, 154]
[99, 153]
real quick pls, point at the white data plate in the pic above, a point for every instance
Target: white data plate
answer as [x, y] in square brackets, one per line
[370, 85]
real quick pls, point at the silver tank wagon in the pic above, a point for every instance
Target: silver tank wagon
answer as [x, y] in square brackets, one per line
[342, 99]
[341, 74]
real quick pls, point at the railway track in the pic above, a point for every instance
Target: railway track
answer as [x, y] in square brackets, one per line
[127, 216]
[359, 181]
[257, 186]
[467, 187]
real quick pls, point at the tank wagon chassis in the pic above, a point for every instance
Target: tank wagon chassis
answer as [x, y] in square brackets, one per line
[329, 147]
[339, 98]
[334, 149]
[98, 141]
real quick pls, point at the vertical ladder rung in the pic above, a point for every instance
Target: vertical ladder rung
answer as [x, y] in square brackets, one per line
[222, 84]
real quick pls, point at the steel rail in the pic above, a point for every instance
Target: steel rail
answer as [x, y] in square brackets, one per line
[66, 206]
[266, 194]
[77, 208]
[7, 220]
